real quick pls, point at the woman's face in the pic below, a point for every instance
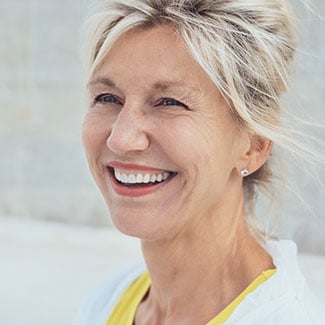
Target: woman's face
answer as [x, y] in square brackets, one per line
[159, 138]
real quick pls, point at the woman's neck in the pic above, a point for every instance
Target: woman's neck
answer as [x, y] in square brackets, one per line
[195, 276]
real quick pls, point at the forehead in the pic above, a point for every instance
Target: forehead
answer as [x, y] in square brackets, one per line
[158, 55]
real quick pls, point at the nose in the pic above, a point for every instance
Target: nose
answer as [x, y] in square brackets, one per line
[128, 133]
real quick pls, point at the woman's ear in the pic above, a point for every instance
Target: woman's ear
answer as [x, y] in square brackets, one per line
[255, 157]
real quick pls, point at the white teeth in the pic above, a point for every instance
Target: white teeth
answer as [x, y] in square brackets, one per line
[124, 178]
[132, 179]
[140, 178]
[146, 178]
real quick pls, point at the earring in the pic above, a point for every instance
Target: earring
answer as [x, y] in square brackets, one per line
[244, 172]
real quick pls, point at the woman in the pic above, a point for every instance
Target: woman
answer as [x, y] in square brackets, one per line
[184, 111]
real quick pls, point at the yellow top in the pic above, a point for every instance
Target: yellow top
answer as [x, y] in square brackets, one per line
[125, 309]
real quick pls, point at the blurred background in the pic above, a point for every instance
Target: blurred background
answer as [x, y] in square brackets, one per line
[43, 172]
[55, 235]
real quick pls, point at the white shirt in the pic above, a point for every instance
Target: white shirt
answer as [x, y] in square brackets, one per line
[284, 299]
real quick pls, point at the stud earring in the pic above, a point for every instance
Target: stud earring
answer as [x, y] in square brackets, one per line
[244, 172]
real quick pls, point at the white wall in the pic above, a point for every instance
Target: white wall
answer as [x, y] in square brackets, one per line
[43, 173]
[42, 167]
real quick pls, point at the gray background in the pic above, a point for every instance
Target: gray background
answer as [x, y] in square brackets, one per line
[43, 171]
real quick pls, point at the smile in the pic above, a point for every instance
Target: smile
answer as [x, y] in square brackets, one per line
[140, 178]
[138, 182]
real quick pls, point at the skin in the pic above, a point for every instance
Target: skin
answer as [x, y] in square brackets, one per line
[197, 248]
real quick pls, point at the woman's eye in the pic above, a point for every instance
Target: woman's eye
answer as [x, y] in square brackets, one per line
[171, 102]
[106, 99]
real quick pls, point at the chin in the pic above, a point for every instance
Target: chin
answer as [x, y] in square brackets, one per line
[142, 226]
[129, 222]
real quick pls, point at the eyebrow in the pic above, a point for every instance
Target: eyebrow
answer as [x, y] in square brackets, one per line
[165, 85]
[162, 85]
[101, 81]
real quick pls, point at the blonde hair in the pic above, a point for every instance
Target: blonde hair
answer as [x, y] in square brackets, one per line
[245, 47]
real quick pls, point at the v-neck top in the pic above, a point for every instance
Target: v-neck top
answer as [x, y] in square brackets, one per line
[126, 307]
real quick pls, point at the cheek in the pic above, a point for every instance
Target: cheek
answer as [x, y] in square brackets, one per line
[94, 134]
[202, 149]
[191, 141]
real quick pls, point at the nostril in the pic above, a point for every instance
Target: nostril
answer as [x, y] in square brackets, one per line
[128, 139]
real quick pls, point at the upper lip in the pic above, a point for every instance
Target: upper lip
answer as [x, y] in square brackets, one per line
[131, 166]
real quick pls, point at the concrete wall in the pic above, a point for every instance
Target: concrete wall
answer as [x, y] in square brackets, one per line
[43, 172]
[42, 167]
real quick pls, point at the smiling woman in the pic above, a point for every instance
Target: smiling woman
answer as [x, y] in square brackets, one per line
[184, 111]
[148, 108]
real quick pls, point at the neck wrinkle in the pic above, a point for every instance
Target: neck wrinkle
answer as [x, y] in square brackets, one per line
[186, 278]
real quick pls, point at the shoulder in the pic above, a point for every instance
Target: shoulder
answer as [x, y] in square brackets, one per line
[98, 304]
[289, 309]
[298, 308]
[285, 298]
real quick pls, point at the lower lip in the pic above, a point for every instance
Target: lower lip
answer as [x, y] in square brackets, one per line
[135, 191]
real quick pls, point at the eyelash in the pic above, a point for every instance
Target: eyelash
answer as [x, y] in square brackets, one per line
[164, 101]
[101, 99]
[113, 100]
